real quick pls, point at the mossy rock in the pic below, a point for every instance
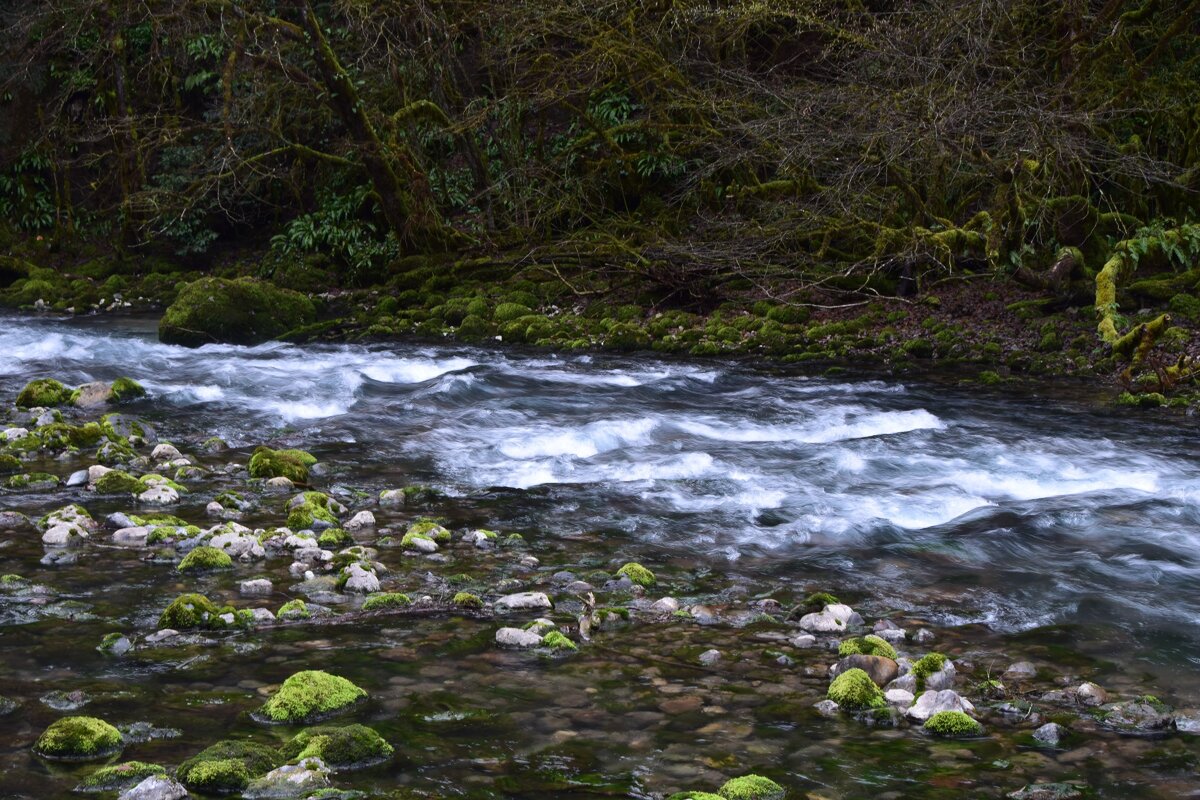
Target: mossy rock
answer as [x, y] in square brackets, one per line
[385, 600]
[556, 640]
[290, 464]
[227, 767]
[9, 464]
[952, 724]
[124, 390]
[78, 739]
[926, 665]
[342, 748]
[638, 574]
[294, 609]
[854, 690]
[43, 393]
[309, 696]
[695, 796]
[205, 558]
[119, 777]
[751, 787]
[190, 611]
[869, 645]
[467, 600]
[117, 482]
[243, 311]
[508, 312]
[314, 506]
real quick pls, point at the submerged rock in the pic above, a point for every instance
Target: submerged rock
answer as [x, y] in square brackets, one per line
[1050, 734]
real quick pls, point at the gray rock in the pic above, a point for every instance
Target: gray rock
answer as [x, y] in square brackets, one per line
[1047, 791]
[238, 544]
[119, 520]
[161, 636]
[1050, 734]
[822, 622]
[710, 657]
[360, 580]
[1090, 694]
[803, 641]
[665, 605]
[133, 537]
[159, 495]
[13, 520]
[156, 787]
[931, 702]
[924, 636]
[280, 484]
[360, 521]
[165, 452]
[263, 616]
[12, 434]
[898, 697]
[422, 545]
[892, 635]
[517, 638]
[1020, 671]
[78, 478]
[827, 708]
[703, 615]
[845, 613]
[943, 678]
[92, 395]
[523, 601]
[255, 588]
[1135, 716]
[578, 588]
[124, 426]
[290, 781]
[64, 534]
[1187, 720]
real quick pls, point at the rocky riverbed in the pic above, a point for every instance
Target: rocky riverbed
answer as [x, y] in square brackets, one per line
[238, 607]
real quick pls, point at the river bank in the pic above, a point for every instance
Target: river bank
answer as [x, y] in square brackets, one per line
[1027, 548]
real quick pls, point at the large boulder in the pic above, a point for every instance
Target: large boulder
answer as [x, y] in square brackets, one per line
[242, 311]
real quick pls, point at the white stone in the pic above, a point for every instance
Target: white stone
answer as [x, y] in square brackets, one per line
[360, 580]
[159, 495]
[391, 498]
[238, 544]
[135, 536]
[280, 484]
[161, 635]
[710, 657]
[515, 637]
[898, 697]
[255, 588]
[822, 622]
[290, 781]
[932, 702]
[165, 452]
[263, 616]
[155, 787]
[843, 613]
[214, 509]
[1091, 695]
[77, 478]
[891, 635]
[523, 601]
[665, 605]
[63, 534]
[363, 519]
[97, 471]
[9, 434]
[804, 640]
[422, 545]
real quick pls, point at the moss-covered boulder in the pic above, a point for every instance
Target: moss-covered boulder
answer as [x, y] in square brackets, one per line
[751, 787]
[309, 696]
[242, 311]
[78, 739]
[227, 767]
[124, 390]
[190, 611]
[290, 464]
[43, 393]
[119, 777]
[205, 558]
[869, 645]
[341, 748]
[854, 690]
[117, 482]
[952, 724]
[386, 600]
[638, 574]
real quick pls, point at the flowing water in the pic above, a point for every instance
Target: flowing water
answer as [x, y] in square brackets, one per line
[1013, 520]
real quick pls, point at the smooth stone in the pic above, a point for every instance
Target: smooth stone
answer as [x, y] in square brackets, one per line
[214, 509]
[1051, 734]
[256, 587]
[881, 669]
[119, 520]
[160, 495]
[1091, 695]
[97, 471]
[578, 588]
[710, 657]
[92, 395]
[360, 580]
[263, 616]
[1135, 716]
[932, 702]
[135, 536]
[290, 781]
[844, 613]
[822, 622]
[1047, 791]
[165, 452]
[361, 520]
[517, 638]
[943, 678]
[12, 434]
[156, 787]
[13, 520]
[898, 697]
[665, 605]
[280, 484]
[803, 641]
[827, 708]
[1021, 671]
[239, 545]
[924, 636]
[892, 635]
[63, 534]
[523, 601]
[422, 545]
[78, 478]
[161, 636]
[1187, 720]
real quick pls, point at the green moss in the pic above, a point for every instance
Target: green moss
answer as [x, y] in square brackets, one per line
[384, 600]
[952, 724]
[227, 767]
[190, 611]
[926, 665]
[310, 695]
[78, 738]
[507, 312]
[556, 640]
[9, 463]
[429, 529]
[751, 787]
[119, 777]
[290, 464]
[117, 482]
[43, 392]
[345, 747]
[332, 537]
[854, 690]
[294, 609]
[150, 480]
[467, 600]
[242, 311]
[638, 574]
[205, 558]
[31, 480]
[315, 506]
[869, 645]
[124, 390]
[695, 796]
[818, 600]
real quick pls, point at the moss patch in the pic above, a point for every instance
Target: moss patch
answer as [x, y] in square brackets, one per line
[190, 611]
[242, 311]
[869, 645]
[290, 464]
[384, 600]
[44, 392]
[125, 389]
[227, 767]
[346, 747]
[78, 739]
[638, 574]
[751, 787]
[205, 558]
[119, 777]
[952, 723]
[310, 695]
[855, 690]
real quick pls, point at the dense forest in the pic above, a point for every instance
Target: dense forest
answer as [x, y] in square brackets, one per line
[803, 160]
